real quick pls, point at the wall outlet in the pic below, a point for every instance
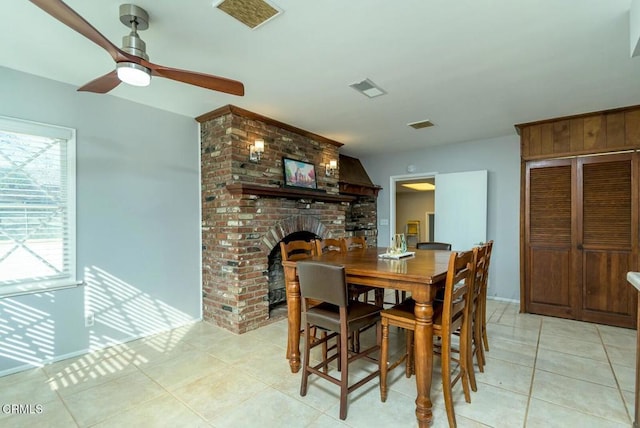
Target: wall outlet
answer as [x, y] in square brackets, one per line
[89, 319]
[384, 222]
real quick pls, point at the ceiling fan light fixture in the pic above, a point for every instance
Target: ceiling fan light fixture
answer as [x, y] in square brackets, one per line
[421, 187]
[133, 74]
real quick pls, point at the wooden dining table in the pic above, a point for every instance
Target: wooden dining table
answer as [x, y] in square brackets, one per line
[421, 274]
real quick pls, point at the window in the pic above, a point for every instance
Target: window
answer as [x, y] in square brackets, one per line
[37, 207]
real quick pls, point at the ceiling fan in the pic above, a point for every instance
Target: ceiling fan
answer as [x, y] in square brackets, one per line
[132, 61]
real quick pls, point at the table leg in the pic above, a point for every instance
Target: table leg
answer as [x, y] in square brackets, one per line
[423, 352]
[293, 315]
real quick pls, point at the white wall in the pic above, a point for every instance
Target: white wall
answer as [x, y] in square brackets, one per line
[501, 157]
[138, 217]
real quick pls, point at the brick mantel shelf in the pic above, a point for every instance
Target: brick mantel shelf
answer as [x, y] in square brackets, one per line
[280, 192]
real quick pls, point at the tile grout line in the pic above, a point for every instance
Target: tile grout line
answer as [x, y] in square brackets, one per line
[172, 395]
[615, 377]
[533, 374]
[66, 407]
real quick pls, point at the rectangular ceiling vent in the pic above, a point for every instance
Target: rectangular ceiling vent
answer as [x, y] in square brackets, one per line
[421, 124]
[252, 13]
[368, 88]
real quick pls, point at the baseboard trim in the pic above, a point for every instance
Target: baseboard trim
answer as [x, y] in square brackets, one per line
[503, 299]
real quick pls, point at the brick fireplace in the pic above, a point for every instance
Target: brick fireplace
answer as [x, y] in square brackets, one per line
[246, 211]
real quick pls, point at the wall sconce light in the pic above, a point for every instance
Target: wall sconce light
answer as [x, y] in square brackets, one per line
[331, 167]
[255, 151]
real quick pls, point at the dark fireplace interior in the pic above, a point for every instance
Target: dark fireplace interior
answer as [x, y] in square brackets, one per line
[277, 290]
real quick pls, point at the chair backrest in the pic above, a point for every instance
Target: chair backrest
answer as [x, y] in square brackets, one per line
[297, 250]
[481, 262]
[353, 243]
[322, 282]
[458, 291]
[328, 244]
[489, 246]
[433, 246]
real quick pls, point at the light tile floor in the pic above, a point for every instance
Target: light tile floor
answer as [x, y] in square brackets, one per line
[541, 372]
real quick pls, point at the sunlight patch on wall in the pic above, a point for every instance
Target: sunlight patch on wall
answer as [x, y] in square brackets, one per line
[26, 333]
[122, 307]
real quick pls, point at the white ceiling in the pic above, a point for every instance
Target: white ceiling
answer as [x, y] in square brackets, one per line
[473, 67]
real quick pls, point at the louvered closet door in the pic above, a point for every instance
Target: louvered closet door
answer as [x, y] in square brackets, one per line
[609, 237]
[550, 277]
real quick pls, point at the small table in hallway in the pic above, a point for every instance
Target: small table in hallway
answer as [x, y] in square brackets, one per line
[421, 275]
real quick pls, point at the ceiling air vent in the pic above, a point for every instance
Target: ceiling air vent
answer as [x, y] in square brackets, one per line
[368, 88]
[421, 124]
[252, 13]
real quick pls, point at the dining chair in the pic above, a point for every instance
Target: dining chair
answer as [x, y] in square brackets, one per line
[354, 243]
[357, 243]
[432, 245]
[475, 345]
[479, 300]
[328, 244]
[297, 250]
[453, 314]
[340, 317]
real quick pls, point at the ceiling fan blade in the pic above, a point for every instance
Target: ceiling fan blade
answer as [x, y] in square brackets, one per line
[208, 81]
[102, 84]
[69, 17]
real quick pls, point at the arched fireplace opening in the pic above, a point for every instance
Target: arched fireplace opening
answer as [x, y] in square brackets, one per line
[277, 288]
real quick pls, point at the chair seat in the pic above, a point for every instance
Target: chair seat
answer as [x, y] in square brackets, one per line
[403, 316]
[359, 315]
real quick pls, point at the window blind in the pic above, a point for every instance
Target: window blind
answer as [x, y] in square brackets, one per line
[37, 207]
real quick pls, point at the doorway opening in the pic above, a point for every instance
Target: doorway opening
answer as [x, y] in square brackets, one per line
[410, 205]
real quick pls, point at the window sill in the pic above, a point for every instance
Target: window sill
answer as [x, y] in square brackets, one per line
[37, 287]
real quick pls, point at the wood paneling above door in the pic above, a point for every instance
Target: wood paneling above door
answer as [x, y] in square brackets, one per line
[601, 132]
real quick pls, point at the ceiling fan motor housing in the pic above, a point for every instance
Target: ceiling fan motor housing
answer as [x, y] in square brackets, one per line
[135, 18]
[135, 46]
